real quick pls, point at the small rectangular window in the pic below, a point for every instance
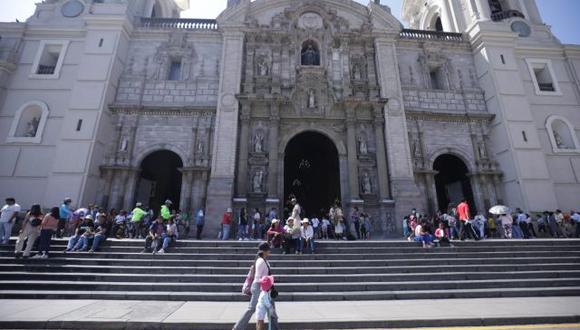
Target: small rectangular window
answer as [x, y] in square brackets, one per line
[524, 136]
[101, 42]
[435, 81]
[502, 59]
[49, 60]
[544, 79]
[175, 70]
[79, 125]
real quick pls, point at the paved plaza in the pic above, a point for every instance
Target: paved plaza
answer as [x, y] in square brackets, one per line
[107, 314]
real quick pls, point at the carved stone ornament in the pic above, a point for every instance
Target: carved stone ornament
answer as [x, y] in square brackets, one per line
[310, 21]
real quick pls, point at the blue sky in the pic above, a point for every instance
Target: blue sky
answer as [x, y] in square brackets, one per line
[562, 15]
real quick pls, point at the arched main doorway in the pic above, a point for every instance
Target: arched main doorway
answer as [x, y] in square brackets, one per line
[311, 172]
[160, 179]
[452, 182]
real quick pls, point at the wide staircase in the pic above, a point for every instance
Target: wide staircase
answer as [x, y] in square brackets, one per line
[351, 271]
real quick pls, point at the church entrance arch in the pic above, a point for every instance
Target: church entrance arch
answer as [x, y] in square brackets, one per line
[160, 179]
[452, 182]
[312, 172]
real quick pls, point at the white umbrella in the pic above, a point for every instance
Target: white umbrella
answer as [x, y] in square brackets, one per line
[500, 209]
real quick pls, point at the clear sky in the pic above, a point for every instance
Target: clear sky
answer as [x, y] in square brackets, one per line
[562, 15]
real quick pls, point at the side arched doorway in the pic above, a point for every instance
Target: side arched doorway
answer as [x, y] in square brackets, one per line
[452, 182]
[312, 172]
[160, 179]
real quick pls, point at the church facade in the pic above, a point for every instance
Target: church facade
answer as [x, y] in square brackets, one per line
[117, 102]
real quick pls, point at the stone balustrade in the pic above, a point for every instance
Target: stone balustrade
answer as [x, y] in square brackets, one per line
[431, 35]
[179, 24]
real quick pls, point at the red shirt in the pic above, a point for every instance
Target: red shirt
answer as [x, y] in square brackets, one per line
[463, 211]
[227, 220]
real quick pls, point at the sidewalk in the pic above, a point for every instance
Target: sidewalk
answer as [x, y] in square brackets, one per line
[108, 314]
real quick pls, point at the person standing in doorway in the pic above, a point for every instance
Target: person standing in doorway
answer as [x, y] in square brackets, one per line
[199, 222]
[226, 224]
[8, 215]
[166, 210]
[465, 220]
[243, 225]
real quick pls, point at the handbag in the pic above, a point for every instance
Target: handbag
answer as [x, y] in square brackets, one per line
[273, 292]
[247, 287]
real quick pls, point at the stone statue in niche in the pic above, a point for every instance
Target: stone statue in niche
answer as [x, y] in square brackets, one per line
[356, 74]
[263, 68]
[311, 99]
[481, 150]
[416, 149]
[310, 56]
[363, 145]
[259, 143]
[32, 127]
[124, 144]
[559, 141]
[367, 187]
[257, 181]
[200, 146]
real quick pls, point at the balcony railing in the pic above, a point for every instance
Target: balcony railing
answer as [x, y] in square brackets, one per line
[46, 69]
[431, 35]
[501, 15]
[179, 23]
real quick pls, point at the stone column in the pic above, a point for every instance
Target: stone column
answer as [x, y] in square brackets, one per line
[131, 186]
[396, 132]
[273, 152]
[242, 179]
[431, 190]
[483, 10]
[108, 177]
[223, 164]
[353, 180]
[186, 188]
[382, 167]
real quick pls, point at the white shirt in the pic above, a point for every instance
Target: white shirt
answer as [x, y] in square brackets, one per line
[576, 217]
[315, 222]
[307, 232]
[522, 218]
[8, 212]
[261, 269]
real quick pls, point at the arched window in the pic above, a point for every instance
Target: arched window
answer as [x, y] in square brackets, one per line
[562, 135]
[28, 123]
[310, 54]
[438, 25]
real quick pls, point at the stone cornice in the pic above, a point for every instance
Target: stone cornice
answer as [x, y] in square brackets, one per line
[184, 111]
[449, 117]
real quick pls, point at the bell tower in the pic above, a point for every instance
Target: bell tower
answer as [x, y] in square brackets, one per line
[516, 81]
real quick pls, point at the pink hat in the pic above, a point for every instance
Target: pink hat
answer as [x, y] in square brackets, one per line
[266, 283]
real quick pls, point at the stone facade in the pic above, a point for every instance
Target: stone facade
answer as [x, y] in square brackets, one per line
[123, 80]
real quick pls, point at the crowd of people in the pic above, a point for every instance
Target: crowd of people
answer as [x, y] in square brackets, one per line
[87, 228]
[459, 224]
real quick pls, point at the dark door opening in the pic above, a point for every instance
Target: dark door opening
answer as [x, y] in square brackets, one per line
[311, 172]
[160, 180]
[452, 183]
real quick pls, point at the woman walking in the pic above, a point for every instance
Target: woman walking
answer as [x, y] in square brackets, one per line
[48, 227]
[30, 231]
[261, 269]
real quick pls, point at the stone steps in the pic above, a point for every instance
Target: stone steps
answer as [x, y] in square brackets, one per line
[464, 293]
[367, 270]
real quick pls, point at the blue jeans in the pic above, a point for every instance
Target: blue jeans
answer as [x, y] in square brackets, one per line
[45, 237]
[243, 231]
[5, 232]
[309, 243]
[97, 241]
[73, 241]
[225, 232]
[82, 244]
[167, 240]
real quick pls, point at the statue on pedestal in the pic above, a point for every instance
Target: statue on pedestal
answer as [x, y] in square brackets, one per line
[362, 145]
[366, 184]
[259, 143]
[257, 181]
[311, 99]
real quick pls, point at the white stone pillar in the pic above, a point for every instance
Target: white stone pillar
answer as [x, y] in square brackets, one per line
[382, 167]
[353, 181]
[221, 184]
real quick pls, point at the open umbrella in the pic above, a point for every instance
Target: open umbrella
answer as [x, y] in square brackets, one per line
[500, 209]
